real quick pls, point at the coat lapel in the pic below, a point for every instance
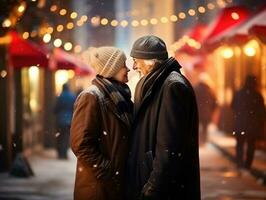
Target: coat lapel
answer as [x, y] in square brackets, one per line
[110, 105]
[157, 82]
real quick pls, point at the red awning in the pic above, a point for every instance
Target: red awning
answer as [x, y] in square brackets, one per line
[24, 53]
[228, 18]
[259, 31]
[198, 32]
[238, 39]
[63, 60]
[257, 19]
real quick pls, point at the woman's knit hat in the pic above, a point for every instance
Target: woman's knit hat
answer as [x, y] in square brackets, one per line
[106, 61]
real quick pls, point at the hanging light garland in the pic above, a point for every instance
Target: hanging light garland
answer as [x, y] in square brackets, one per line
[103, 21]
[96, 21]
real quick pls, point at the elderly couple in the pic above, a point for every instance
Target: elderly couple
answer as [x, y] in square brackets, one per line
[148, 150]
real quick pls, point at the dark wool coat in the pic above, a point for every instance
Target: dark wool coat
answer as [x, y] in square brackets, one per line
[100, 142]
[164, 144]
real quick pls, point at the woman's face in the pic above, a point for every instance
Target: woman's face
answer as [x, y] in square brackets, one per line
[121, 75]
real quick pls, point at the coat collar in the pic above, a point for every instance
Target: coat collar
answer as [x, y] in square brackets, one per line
[162, 71]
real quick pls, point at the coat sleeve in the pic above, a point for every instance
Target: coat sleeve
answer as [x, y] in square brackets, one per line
[171, 140]
[85, 133]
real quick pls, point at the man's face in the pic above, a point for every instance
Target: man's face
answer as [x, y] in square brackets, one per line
[140, 66]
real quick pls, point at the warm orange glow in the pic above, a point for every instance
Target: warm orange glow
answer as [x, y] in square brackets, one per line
[21, 8]
[211, 6]
[60, 28]
[173, 18]
[153, 21]
[26, 35]
[6, 23]
[47, 37]
[80, 23]
[104, 21]
[235, 15]
[134, 23]
[50, 30]
[164, 20]
[182, 15]
[68, 46]
[70, 25]
[63, 12]
[53, 8]
[57, 42]
[73, 15]
[201, 9]
[114, 22]
[84, 18]
[191, 12]
[95, 21]
[77, 49]
[227, 53]
[144, 22]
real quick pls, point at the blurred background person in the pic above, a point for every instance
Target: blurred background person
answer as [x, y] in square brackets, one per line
[249, 117]
[63, 111]
[206, 101]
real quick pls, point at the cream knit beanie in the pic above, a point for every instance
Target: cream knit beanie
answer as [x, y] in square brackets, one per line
[106, 61]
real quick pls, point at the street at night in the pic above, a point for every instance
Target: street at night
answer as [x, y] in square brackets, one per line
[220, 179]
[132, 100]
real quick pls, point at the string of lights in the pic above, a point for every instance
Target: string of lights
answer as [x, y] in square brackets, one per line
[104, 21]
[95, 21]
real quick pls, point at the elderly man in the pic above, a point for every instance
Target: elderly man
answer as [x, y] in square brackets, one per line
[163, 159]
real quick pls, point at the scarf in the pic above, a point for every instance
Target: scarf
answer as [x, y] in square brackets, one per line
[154, 80]
[119, 94]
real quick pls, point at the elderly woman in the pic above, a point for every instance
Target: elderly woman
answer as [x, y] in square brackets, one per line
[100, 127]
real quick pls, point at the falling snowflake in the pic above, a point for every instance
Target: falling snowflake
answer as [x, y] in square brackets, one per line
[1, 147]
[95, 166]
[57, 134]
[116, 173]
[80, 169]
[14, 144]
[234, 133]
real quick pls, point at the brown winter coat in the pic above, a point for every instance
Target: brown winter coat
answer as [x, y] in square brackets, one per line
[100, 143]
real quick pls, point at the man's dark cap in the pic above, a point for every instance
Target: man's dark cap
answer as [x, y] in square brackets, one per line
[149, 47]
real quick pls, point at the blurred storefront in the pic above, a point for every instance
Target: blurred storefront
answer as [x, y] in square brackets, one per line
[31, 86]
[233, 47]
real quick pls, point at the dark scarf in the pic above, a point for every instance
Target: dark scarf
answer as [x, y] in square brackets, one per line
[154, 80]
[119, 94]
